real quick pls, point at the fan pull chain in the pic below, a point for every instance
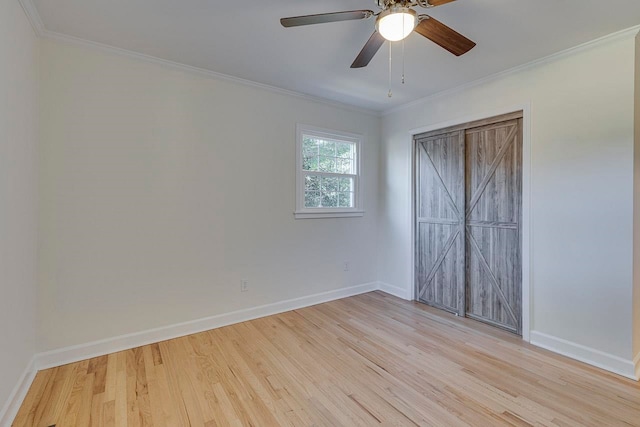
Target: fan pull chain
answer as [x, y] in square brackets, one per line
[403, 52]
[403, 60]
[390, 94]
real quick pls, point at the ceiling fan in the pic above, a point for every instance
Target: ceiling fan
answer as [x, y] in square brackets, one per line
[394, 22]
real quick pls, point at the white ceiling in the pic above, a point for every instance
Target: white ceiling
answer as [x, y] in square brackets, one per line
[246, 40]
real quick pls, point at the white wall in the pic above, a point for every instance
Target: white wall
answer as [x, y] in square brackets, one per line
[18, 195]
[582, 110]
[161, 190]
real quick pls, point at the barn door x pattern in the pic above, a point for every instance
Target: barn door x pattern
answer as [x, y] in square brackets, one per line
[468, 208]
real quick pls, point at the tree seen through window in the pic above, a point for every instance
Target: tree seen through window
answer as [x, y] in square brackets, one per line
[329, 159]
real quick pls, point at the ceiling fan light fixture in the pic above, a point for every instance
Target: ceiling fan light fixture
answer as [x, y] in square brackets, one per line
[396, 23]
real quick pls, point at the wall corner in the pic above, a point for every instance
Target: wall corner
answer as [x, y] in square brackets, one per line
[636, 211]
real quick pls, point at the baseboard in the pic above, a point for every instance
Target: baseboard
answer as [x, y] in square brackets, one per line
[79, 352]
[10, 410]
[395, 291]
[600, 359]
[636, 363]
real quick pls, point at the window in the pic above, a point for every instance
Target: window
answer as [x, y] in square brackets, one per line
[328, 173]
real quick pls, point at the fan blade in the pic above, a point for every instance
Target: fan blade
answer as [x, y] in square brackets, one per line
[435, 3]
[322, 18]
[444, 36]
[369, 50]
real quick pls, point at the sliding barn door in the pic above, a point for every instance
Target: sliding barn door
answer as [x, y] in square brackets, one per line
[440, 221]
[493, 211]
[468, 210]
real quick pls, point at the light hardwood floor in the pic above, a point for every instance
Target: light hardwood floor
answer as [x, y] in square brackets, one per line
[366, 360]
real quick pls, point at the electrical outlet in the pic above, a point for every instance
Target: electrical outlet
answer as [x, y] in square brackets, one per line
[244, 285]
[345, 266]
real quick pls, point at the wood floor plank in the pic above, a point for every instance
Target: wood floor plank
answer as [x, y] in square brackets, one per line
[155, 404]
[367, 360]
[109, 413]
[84, 408]
[120, 401]
[97, 409]
[71, 412]
[59, 395]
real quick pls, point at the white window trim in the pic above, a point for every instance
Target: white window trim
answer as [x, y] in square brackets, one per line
[304, 213]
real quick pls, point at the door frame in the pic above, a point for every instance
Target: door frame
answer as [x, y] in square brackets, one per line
[526, 199]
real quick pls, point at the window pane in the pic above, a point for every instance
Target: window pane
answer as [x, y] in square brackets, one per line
[309, 146]
[327, 148]
[327, 164]
[345, 199]
[330, 200]
[310, 163]
[343, 150]
[345, 166]
[329, 184]
[312, 199]
[311, 183]
[328, 192]
[325, 155]
[345, 184]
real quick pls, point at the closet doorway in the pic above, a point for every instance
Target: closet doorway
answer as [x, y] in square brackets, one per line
[468, 214]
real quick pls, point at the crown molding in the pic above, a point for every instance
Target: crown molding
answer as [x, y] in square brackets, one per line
[619, 35]
[33, 16]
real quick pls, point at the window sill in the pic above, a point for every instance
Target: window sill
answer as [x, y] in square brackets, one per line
[328, 214]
